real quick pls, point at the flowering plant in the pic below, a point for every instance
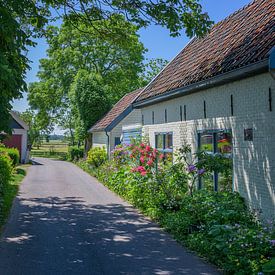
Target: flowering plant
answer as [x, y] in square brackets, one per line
[144, 158]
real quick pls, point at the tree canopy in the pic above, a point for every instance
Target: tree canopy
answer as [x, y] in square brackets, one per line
[23, 20]
[118, 63]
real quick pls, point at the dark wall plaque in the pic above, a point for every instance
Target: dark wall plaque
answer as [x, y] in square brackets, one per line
[248, 134]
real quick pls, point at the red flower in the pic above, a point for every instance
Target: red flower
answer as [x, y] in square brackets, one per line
[142, 145]
[141, 169]
[148, 148]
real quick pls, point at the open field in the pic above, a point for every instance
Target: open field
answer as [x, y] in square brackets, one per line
[51, 149]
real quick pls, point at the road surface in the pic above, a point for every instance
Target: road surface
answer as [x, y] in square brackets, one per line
[64, 221]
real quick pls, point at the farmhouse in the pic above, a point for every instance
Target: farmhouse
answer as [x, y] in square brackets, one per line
[218, 94]
[19, 137]
[108, 131]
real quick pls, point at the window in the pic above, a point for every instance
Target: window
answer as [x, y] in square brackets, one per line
[180, 113]
[164, 144]
[217, 142]
[153, 117]
[165, 116]
[117, 141]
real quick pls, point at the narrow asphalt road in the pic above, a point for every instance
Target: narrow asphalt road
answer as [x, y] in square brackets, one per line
[65, 222]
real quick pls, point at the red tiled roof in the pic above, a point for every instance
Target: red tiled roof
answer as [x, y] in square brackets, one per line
[243, 38]
[117, 110]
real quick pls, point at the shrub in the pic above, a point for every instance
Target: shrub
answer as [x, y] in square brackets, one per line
[97, 156]
[217, 225]
[5, 169]
[75, 153]
[13, 154]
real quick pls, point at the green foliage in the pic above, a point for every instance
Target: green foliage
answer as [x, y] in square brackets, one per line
[13, 153]
[75, 153]
[36, 127]
[9, 192]
[19, 21]
[217, 225]
[174, 15]
[97, 156]
[269, 267]
[79, 54]
[151, 69]
[5, 170]
[88, 93]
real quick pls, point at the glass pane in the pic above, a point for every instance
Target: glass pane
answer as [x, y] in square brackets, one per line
[224, 141]
[206, 141]
[159, 141]
[168, 141]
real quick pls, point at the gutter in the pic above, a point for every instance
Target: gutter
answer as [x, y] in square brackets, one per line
[250, 70]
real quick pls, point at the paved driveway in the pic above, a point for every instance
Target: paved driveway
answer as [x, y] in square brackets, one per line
[65, 222]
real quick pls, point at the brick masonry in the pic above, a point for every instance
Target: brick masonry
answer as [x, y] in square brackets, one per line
[253, 161]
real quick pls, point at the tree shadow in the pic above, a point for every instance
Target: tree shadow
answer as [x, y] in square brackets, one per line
[67, 236]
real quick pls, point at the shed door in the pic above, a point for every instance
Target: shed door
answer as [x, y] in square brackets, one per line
[14, 141]
[128, 135]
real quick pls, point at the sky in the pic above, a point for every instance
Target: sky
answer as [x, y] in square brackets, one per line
[155, 38]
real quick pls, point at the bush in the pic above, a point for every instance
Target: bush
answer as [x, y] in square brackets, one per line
[97, 156]
[75, 153]
[217, 225]
[5, 169]
[13, 154]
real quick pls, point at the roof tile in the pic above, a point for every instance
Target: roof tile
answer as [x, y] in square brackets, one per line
[243, 38]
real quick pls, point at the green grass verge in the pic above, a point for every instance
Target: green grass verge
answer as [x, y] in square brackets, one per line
[10, 191]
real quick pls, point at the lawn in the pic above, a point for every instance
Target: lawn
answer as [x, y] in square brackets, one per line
[10, 190]
[51, 149]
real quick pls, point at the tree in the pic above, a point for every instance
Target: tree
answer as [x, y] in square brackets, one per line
[22, 20]
[18, 20]
[88, 96]
[34, 132]
[151, 69]
[118, 62]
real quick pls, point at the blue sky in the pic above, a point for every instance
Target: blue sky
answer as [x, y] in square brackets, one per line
[156, 39]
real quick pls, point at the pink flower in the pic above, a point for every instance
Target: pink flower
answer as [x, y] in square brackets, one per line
[161, 156]
[150, 162]
[148, 148]
[141, 159]
[144, 173]
[142, 145]
[141, 169]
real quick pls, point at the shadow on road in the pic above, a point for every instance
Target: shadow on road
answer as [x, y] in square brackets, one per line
[108, 239]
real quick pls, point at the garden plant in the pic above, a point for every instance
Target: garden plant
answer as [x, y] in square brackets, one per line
[217, 225]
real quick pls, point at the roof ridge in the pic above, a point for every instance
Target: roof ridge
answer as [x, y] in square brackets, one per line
[243, 37]
[235, 12]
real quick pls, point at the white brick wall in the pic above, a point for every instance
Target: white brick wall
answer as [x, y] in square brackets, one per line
[253, 161]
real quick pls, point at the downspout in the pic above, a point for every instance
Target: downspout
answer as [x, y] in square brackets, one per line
[108, 144]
